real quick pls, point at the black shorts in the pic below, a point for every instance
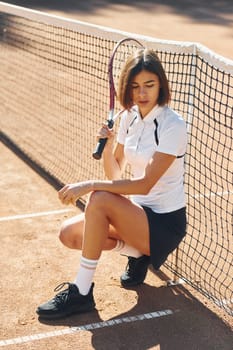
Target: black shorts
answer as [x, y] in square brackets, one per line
[166, 232]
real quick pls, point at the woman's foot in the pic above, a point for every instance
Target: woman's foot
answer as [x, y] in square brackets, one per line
[135, 272]
[66, 303]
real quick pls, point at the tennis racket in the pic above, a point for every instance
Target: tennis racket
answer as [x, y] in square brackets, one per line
[120, 53]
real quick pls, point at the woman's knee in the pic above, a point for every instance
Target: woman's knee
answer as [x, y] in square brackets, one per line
[98, 200]
[64, 233]
[70, 235]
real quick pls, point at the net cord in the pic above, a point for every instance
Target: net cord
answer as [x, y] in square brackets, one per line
[217, 60]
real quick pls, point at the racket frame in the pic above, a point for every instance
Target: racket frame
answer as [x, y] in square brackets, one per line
[97, 154]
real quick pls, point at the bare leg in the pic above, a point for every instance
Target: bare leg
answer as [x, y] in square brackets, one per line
[114, 217]
[105, 209]
[71, 233]
[108, 217]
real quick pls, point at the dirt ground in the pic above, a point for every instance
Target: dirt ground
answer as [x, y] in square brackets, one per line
[207, 22]
[33, 261]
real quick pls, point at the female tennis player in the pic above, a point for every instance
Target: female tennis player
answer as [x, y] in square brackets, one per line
[143, 217]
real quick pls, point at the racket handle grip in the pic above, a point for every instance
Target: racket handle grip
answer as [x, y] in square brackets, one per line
[99, 148]
[97, 154]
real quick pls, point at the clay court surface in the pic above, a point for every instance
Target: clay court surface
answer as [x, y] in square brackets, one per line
[33, 261]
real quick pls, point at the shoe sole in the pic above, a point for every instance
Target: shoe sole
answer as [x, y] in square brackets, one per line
[132, 284]
[65, 314]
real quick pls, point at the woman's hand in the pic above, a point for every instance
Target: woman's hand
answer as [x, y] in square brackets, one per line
[105, 132]
[70, 193]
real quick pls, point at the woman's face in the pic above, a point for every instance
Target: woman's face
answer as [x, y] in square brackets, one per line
[145, 91]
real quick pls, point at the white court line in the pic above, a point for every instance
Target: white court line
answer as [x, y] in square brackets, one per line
[88, 327]
[61, 211]
[33, 215]
[211, 194]
[225, 303]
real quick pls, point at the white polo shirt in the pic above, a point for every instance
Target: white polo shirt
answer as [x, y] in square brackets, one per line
[162, 130]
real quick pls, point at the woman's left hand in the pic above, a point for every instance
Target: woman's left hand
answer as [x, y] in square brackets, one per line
[70, 193]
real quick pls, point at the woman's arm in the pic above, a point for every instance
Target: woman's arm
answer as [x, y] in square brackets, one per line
[113, 156]
[156, 167]
[114, 161]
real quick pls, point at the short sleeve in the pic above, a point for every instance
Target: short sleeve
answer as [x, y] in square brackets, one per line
[173, 137]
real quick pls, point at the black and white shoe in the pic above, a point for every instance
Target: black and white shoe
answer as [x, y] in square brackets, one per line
[135, 272]
[66, 302]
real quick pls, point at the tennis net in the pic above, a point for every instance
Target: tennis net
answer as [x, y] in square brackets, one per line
[54, 96]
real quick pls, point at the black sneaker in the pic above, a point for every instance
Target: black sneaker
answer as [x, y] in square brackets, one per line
[135, 272]
[66, 302]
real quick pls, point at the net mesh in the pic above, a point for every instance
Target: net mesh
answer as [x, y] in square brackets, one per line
[54, 95]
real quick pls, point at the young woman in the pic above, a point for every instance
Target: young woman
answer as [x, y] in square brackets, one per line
[143, 217]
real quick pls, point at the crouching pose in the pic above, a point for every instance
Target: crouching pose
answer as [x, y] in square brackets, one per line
[143, 217]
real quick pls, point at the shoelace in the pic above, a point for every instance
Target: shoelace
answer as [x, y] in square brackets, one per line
[64, 294]
[130, 266]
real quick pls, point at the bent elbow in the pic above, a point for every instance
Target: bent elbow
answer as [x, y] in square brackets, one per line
[145, 189]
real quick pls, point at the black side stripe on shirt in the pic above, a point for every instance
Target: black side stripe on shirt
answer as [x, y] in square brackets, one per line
[157, 138]
[131, 123]
[156, 132]
[181, 156]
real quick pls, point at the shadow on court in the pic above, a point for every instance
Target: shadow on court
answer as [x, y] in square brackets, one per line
[190, 326]
[204, 11]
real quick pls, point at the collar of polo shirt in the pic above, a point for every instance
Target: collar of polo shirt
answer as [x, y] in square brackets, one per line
[154, 113]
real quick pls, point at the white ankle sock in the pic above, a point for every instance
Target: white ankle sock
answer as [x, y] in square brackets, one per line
[85, 275]
[124, 249]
